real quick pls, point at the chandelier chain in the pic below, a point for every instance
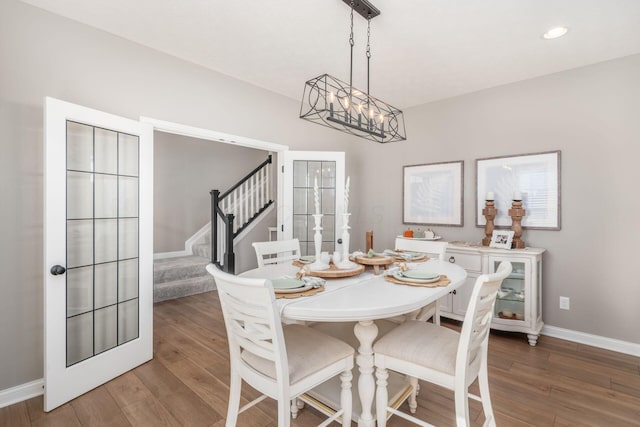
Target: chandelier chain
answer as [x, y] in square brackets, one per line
[351, 34]
[368, 37]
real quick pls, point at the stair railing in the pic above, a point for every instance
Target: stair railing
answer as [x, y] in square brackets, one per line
[233, 211]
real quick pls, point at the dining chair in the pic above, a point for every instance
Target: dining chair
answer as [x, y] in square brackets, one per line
[428, 247]
[281, 362]
[276, 252]
[442, 356]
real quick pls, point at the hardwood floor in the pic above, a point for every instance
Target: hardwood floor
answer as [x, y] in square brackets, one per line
[556, 383]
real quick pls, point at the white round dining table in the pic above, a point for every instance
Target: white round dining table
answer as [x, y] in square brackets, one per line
[363, 299]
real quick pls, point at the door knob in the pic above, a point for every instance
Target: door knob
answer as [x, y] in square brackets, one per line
[57, 270]
[339, 241]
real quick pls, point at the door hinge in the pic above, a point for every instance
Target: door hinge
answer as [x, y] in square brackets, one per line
[282, 168]
[282, 227]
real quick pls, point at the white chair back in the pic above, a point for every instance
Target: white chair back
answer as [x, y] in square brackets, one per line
[429, 247]
[252, 322]
[474, 336]
[258, 354]
[277, 252]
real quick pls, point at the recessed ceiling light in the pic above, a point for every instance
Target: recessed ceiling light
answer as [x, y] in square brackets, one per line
[554, 33]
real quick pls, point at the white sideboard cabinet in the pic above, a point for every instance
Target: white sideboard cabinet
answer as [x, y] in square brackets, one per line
[518, 305]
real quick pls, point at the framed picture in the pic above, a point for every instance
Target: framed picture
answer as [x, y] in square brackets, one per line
[501, 239]
[535, 178]
[432, 194]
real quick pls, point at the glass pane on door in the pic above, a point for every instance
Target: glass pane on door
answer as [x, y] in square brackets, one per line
[102, 240]
[305, 174]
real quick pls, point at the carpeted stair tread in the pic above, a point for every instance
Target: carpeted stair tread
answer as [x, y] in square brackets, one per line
[179, 268]
[182, 288]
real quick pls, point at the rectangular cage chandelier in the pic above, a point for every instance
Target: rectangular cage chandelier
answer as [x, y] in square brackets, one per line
[331, 102]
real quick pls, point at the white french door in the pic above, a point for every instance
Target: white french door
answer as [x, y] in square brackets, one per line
[300, 169]
[98, 265]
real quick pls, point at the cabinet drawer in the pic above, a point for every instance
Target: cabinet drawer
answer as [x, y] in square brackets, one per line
[470, 262]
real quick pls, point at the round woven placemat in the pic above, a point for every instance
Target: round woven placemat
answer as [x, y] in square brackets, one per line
[444, 281]
[306, 293]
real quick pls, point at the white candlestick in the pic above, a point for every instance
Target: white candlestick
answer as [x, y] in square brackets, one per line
[346, 195]
[316, 196]
[517, 195]
[490, 196]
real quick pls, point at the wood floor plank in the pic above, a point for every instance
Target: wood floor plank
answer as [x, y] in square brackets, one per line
[98, 408]
[64, 416]
[149, 411]
[127, 389]
[189, 410]
[15, 415]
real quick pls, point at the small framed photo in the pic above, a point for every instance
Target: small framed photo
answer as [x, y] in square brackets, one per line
[501, 239]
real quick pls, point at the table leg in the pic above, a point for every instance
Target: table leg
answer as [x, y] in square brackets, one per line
[366, 332]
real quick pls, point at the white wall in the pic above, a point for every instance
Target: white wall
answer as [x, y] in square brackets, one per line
[185, 170]
[591, 115]
[42, 54]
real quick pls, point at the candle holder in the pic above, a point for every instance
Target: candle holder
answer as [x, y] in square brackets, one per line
[368, 241]
[346, 263]
[489, 213]
[516, 213]
[317, 239]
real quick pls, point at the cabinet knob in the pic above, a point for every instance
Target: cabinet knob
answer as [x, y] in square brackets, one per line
[453, 292]
[452, 259]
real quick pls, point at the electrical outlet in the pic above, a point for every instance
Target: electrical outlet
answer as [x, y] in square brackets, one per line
[565, 303]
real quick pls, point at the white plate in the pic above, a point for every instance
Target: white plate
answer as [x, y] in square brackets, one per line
[287, 283]
[420, 274]
[421, 238]
[294, 290]
[403, 278]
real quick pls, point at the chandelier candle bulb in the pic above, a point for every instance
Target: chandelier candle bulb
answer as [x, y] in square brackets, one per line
[490, 196]
[517, 195]
[333, 97]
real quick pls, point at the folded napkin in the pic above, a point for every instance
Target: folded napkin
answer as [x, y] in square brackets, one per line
[316, 282]
[407, 256]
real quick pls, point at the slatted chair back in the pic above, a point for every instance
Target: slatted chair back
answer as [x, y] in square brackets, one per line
[474, 336]
[277, 252]
[437, 249]
[252, 322]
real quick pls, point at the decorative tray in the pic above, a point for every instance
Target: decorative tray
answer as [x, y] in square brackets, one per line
[332, 273]
[376, 261]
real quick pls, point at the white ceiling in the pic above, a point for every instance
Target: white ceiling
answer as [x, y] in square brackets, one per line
[422, 50]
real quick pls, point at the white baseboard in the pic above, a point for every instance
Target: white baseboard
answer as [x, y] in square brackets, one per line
[21, 392]
[592, 340]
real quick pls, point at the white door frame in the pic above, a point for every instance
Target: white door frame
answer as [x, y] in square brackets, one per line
[226, 138]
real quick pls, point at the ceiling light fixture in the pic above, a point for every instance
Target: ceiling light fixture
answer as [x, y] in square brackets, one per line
[554, 33]
[331, 102]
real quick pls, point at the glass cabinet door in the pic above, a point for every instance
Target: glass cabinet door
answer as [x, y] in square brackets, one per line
[512, 295]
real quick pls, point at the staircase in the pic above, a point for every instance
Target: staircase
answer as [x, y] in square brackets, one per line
[180, 276]
[232, 213]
